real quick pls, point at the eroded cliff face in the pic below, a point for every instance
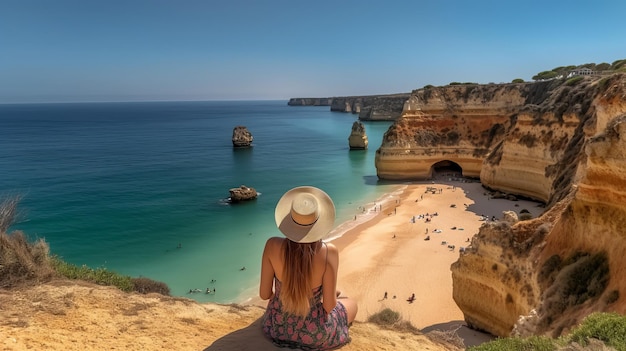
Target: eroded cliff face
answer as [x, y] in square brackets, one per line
[415, 146]
[544, 275]
[523, 138]
[369, 108]
[459, 124]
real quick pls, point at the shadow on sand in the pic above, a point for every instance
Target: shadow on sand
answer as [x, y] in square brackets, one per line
[248, 338]
[470, 337]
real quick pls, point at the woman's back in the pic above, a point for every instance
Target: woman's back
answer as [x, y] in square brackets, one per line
[320, 328]
[299, 276]
[319, 260]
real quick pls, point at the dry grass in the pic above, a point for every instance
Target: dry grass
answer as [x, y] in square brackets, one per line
[20, 261]
[449, 337]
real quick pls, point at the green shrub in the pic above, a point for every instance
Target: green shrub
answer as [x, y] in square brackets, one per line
[525, 216]
[549, 270]
[603, 66]
[533, 343]
[390, 319]
[517, 80]
[574, 80]
[571, 282]
[618, 64]
[100, 275]
[586, 278]
[607, 327]
[386, 317]
[603, 83]
[545, 75]
[146, 285]
[610, 328]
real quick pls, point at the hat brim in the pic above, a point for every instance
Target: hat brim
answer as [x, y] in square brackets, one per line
[305, 234]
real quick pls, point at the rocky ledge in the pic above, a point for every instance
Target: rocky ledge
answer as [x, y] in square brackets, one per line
[73, 315]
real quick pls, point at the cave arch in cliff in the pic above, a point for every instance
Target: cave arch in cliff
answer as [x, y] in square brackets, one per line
[446, 168]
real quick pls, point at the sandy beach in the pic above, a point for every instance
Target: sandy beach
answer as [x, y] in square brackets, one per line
[404, 244]
[407, 248]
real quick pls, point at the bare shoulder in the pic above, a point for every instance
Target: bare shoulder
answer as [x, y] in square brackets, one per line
[332, 249]
[275, 240]
[274, 243]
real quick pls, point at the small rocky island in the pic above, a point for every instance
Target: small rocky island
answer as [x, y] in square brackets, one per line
[243, 193]
[242, 137]
[358, 139]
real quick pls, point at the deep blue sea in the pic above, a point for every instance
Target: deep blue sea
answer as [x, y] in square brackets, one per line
[122, 185]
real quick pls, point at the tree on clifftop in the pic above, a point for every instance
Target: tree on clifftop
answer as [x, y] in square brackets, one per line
[546, 75]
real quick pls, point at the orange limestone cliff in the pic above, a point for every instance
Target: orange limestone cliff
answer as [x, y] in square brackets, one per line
[542, 276]
[451, 127]
[517, 138]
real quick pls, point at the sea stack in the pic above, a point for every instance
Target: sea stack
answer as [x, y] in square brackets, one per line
[358, 138]
[243, 193]
[242, 137]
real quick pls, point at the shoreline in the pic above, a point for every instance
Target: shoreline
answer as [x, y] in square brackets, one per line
[387, 251]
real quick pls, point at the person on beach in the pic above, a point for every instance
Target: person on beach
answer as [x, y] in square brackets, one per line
[299, 276]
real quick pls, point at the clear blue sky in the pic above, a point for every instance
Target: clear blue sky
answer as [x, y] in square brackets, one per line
[108, 50]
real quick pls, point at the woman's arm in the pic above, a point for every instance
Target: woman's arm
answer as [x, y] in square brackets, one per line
[329, 283]
[267, 271]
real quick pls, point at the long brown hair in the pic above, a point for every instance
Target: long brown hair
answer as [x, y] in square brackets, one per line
[296, 291]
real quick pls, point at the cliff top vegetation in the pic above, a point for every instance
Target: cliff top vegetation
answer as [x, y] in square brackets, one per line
[600, 68]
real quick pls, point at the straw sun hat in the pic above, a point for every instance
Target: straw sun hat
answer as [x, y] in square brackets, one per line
[305, 214]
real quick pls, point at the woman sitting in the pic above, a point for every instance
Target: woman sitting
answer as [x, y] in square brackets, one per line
[299, 276]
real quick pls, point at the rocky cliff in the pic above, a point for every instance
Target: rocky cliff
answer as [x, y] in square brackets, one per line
[310, 101]
[521, 138]
[369, 108]
[563, 143]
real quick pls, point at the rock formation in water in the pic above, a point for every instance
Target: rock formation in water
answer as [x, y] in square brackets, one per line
[357, 139]
[561, 142]
[242, 137]
[243, 193]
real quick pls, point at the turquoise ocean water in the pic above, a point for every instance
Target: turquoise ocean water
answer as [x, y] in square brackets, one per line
[121, 185]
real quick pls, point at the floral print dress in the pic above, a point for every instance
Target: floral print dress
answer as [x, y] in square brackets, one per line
[317, 331]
